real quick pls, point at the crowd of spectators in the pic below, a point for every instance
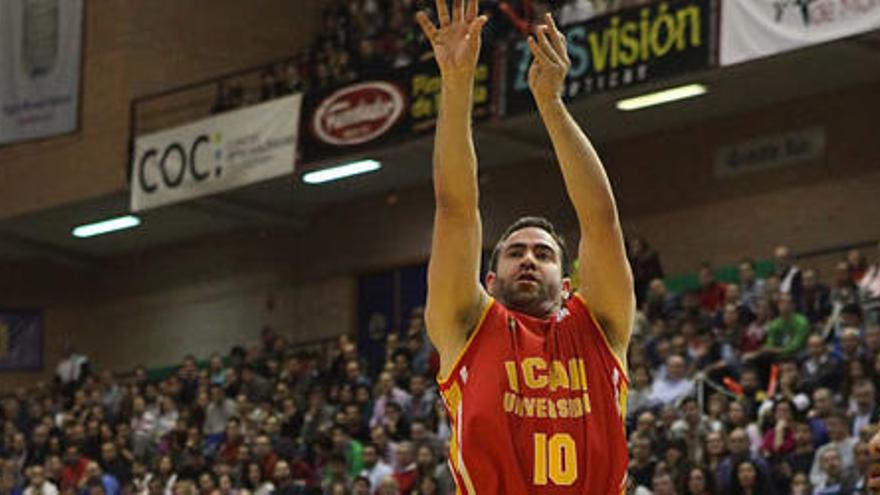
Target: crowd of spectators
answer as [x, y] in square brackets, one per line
[360, 39]
[266, 419]
[764, 386]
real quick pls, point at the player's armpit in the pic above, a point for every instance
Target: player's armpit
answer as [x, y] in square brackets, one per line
[606, 278]
[456, 298]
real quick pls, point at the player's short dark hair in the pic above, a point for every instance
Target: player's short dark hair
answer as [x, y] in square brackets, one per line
[526, 222]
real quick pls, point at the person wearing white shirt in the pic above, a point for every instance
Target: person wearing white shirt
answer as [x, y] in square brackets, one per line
[375, 469]
[38, 482]
[674, 385]
[841, 441]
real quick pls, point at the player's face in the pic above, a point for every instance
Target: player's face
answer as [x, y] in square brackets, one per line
[528, 277]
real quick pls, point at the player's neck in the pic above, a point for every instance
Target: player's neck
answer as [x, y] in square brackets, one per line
[540, 311]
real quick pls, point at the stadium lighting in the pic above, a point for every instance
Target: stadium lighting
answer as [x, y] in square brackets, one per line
[341, 171]
[661, 97]
[106, 226]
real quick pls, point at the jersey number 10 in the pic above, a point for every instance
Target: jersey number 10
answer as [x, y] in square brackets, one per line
[555, 459]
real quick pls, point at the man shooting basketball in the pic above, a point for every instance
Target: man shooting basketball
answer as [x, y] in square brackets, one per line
[533, 377]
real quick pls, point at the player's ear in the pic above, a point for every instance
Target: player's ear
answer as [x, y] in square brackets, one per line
[566, 287]
[490, 283]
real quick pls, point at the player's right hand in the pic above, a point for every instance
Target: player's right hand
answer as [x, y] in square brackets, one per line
[551, 62]
[456, 42]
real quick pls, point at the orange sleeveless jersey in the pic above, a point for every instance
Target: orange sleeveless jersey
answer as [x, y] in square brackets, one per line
[537, 406]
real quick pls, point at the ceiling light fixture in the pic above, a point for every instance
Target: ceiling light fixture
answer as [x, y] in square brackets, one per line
[106, 226]
[341, 171]
[661, 97]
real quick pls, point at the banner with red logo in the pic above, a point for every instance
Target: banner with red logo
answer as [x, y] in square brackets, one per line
[366, 114]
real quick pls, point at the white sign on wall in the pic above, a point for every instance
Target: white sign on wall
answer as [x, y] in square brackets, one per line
[757, 28]
[215, 154]
[40, 43]
[770, 152]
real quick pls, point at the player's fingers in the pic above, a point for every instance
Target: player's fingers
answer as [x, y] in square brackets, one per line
[427, 26]
[539, 56]
[473, 8]
[442, 13]
[476, 26]
[457, 10]
[557, 39]
[544, 45]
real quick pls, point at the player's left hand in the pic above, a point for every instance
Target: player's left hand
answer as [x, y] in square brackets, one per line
[551, 62]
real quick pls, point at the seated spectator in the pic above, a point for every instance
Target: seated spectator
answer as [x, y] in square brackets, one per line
[834, 480]
[386, 392]
[642, 462]
[779, 439]
[674, 385]
[699, 482]
[74, 468]
[820, 368]
[662, 484]
[427, 467]
[711, 293]
[218, 413]
[659, 303]
[841, 441]
[787, 334]
[638, 398]
[115, 465]
[405, 467]
[283, 480]
[749, 479]
[864, 408]
[862, 457]
[752, 289]
[800, 460]
[815, 298]
[94, 476]
[375, 469]
[420, 403]
[37, 482]
[361, 486]
[790, 276]
[849, 346]
[754, 335]
[728, 469]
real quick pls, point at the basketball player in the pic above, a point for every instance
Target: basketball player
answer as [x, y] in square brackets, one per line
[533, 376]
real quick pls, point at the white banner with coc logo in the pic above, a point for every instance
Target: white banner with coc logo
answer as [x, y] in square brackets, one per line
[215, 154]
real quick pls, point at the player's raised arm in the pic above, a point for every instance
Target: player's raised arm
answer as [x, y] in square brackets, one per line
[606, 279]
[455, 296]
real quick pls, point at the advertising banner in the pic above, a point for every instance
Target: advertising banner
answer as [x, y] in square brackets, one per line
[21, 340]
[215, 154]
[40, 51]
[757, 28]
[366, 114]
[622, 49]
[764, 153]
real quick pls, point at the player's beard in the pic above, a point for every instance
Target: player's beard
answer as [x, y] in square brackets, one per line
[537, 299]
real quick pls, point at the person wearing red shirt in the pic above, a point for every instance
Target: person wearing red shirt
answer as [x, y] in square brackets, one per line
[711, 293]
[74, 468]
